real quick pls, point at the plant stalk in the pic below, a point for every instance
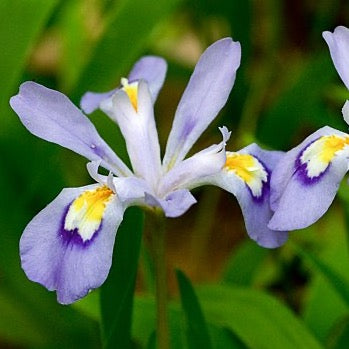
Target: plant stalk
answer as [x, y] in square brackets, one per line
[158, 239]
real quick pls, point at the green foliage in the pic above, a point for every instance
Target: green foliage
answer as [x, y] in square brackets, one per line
[197, 331]
[259, 320]
[240, 272]
[129, 25]
[21, 22]
[117, 291]
[286, 88]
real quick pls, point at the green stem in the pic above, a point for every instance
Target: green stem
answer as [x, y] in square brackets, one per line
[158, 235]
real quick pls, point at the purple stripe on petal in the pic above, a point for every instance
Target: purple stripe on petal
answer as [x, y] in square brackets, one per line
[301, 169]
[73, 236]
[265, 185]
[58, 259]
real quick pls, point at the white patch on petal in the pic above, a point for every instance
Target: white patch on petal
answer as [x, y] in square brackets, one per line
[86, 212]
[249, 169]
[319, 154]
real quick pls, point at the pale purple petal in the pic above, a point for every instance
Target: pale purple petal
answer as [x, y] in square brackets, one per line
[345, 112]
[59, 259]
[190, 171]
[139, 130]
[50, 115]
[131, 190]
[338, 43]
[90, 101]
[297, 199]
[205, 95]
[256, 210]
[152, 69]
[174, 204]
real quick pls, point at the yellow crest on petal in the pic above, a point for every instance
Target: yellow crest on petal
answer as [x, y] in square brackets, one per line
[249, 169]
[132, 92]
[86, 212]
[318, 155]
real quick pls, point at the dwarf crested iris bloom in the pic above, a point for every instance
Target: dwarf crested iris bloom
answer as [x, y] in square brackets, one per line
[68, 246]
[306, 180]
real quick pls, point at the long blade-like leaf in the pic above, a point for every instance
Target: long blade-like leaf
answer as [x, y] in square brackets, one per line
[197, 331]
[20, 24]
[127, 31]
[117, 291]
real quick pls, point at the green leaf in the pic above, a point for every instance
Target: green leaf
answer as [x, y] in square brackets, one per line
[301, 104]
[224, 338]
[129, 26]
[337, 281]
[244, 263]
[339, 335]
[75, 42]
[144, 319]
[21, 21]
[197, 331]
[259, 320]
[117, 292]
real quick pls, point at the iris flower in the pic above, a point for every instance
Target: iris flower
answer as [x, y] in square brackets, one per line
[68, 246]
[305, 181]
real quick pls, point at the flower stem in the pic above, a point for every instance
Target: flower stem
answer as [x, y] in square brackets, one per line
[158, 235]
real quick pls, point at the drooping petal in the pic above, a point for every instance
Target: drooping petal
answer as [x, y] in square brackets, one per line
[189, 171]
[50, 115]
[338, 43]
[152, 69]
[246, 175]
[205, 95]
[305, 181]
[68, 246]
[174, 204]
[134, 114]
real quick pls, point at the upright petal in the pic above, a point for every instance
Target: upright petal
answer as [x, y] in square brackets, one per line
[68, 246]
[246, 175]
[189, 171]
[152, 69]
[338, 43]
[305, 181]
[133, 112]
[205, 95]
[50, 115]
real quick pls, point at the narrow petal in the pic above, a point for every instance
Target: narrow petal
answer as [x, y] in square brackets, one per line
[189, 171]
[305, 181]
[50, 115]
[68, 246]
[338, 43]
[345, 112]
[246, 175]
[135, 118]
[174, 204]
[205, 95]
[152, 69]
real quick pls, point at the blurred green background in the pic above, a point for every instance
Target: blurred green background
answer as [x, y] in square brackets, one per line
[293, 297]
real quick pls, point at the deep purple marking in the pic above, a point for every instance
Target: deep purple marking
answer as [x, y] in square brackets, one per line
[301, 172]
[265, 185]
[72, 237]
